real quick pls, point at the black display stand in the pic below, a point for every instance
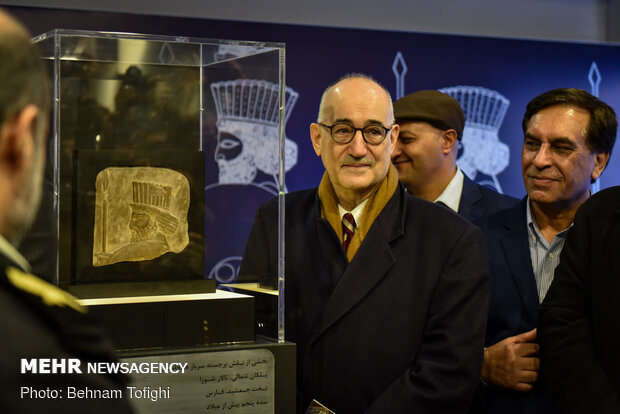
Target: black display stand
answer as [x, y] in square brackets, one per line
[173, 320]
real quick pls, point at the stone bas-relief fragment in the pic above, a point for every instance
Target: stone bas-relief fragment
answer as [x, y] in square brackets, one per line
[140, 214]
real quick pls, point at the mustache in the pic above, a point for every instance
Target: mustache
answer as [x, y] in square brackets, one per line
[534, 172]
[350, 160]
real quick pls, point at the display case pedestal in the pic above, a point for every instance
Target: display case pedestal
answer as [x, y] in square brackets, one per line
[243, 378]
[176, 320]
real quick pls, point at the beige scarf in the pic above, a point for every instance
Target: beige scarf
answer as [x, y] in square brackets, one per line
[376, 203]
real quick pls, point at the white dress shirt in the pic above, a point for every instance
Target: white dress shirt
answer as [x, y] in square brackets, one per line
[451, 195]
[356, 212]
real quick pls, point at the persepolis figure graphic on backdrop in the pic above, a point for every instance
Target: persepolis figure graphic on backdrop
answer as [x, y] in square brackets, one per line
[248, 113]
[247, 158]
[140, 214]
[482, 149]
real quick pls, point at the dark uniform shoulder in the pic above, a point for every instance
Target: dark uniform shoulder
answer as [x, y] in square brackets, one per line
[33, 286]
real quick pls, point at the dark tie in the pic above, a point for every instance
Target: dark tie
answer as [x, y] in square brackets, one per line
[348, 228]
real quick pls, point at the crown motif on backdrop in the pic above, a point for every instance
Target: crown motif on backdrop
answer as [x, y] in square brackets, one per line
[150, 194]
[251, 100]
[484, 108]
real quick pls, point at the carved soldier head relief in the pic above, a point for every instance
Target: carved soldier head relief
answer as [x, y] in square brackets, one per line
[140, 214]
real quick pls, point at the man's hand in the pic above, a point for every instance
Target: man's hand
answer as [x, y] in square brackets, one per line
[512, 363]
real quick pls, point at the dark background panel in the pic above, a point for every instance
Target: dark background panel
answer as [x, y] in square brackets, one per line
[317, 56]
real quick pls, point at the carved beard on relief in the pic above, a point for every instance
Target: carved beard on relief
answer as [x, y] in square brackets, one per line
[143, 231]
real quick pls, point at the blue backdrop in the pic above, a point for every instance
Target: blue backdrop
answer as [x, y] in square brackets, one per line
[512, 71]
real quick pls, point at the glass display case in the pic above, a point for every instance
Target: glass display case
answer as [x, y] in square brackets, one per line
[161, 150]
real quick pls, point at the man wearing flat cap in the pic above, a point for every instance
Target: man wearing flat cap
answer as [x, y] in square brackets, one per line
[431, 124]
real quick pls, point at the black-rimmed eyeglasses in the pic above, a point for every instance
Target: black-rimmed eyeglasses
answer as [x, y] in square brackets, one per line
[344, 133]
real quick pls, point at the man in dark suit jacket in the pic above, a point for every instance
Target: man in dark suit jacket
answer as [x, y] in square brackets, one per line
[431, 126]
[478, 201]
[579, 328]
[569, 135]
[388, 318]
[39, 321]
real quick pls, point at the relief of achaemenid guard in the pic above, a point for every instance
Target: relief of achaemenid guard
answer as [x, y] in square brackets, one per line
[140, 214]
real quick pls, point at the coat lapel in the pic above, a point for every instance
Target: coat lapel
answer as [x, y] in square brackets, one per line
[469, 199]
[369, 266]
[514, 242]
[329, 263]
[334, 261]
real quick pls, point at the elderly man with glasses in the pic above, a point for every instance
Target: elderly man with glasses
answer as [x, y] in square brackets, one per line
[386, 294]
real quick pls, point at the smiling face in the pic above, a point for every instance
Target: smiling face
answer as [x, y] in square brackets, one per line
[355, 169]
[423, 158]
[556, 163]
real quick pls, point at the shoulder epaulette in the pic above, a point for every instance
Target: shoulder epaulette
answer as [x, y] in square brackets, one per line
[49, 294]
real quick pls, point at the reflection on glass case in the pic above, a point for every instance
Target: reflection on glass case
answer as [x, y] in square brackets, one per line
[162, 149]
